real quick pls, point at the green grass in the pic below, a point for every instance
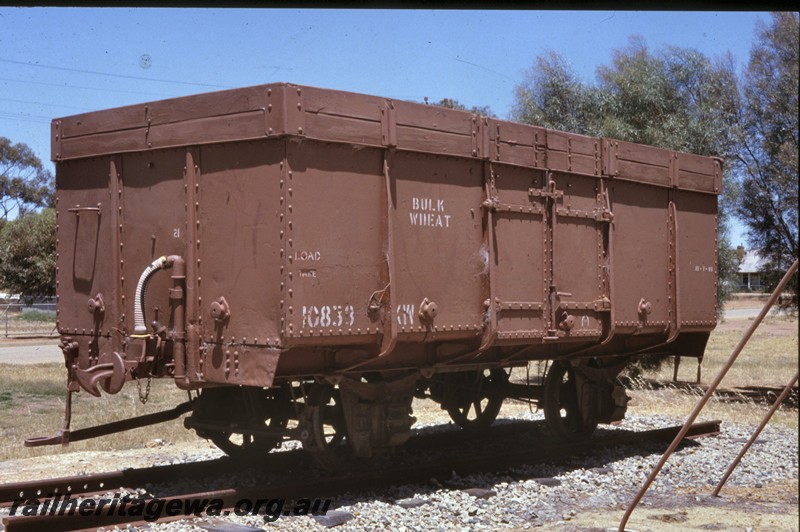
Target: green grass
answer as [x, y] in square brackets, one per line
[47, 316]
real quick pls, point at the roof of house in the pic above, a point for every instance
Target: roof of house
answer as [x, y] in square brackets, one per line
[753, 262]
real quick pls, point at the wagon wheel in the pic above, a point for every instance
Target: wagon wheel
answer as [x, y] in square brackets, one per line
[476, 402]
[259, 408]
[562, 406]
[324, 433]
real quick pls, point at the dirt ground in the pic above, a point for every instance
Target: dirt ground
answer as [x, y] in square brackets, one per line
[771, 507]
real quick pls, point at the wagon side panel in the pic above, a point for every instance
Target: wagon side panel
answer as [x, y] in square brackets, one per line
[335, 251]
[640, 244]
[439, 255]
[518, 245]
[579, 251]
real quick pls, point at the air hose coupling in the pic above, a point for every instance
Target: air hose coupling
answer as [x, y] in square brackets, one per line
[160, 263]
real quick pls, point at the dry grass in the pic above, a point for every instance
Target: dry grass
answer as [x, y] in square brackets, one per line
[32, 404]
[746, 300]
[680, 404]
[769, 359]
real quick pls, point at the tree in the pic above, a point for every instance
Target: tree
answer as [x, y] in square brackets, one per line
[450, 103]
[768, 202]
[676, 99]
[552, 96]
[28, 254]
[24, 182]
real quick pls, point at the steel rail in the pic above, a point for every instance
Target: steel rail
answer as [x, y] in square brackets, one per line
[756, 394]
[108, 481]
[709, 393]
[370, 480]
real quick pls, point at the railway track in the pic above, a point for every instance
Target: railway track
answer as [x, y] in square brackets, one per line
[373, 475]
[741, 394]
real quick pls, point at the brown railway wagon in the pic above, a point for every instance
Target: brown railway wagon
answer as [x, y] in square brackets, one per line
[342, 252]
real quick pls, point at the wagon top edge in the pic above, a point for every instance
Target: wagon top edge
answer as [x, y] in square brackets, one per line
[281, 110]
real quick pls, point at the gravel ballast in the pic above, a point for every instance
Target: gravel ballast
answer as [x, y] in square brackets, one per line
[584, 493]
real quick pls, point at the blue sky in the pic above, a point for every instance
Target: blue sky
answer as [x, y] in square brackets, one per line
[112, 57]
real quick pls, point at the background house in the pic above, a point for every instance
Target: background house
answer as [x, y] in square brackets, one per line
[752, 267]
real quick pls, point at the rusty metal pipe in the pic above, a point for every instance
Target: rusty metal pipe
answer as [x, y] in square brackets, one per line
[752, 439]
[711, 388]
[179, 335]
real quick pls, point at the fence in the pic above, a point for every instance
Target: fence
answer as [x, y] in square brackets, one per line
[35, 319]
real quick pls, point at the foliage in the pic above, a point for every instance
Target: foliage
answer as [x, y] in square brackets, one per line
[676, 98]
[24, 182]
[768, 202]
[553, 97]
[450, 103]
[28, 254]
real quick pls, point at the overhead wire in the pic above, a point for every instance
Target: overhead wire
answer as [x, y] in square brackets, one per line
[45, 104]
[66, 86]
[22, 117]
[123, 76]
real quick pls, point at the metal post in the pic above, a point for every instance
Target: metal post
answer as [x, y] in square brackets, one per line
[752, 439]
[711, 388]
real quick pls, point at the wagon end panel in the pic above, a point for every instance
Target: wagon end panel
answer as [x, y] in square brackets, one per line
[696, 261]
[87, 248]
[238, 199]
[153, 225]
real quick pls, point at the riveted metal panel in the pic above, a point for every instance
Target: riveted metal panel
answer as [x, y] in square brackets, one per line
[438, 239]
[579, 248]
[518, 144]
[83, 245]
[640, 254]
[154, 221]
[697, 258]
[239, 220]
[568, 152]
[519, 244]
[333, 243]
